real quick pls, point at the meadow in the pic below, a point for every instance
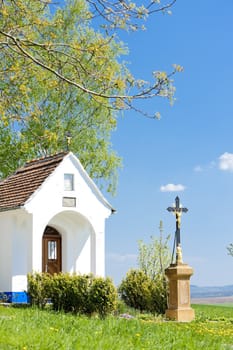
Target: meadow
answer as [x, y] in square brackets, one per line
[28, 328]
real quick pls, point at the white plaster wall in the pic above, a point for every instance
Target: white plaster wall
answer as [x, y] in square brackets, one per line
[15, 250]
[38, 226]
[87, 236]
[82, 249]
[5, 252]
[100, 254]
[21, 250]
[49, 197]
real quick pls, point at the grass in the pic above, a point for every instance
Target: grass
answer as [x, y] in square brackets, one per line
[27, 329]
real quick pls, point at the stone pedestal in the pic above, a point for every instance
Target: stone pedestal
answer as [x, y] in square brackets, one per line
[179, 292]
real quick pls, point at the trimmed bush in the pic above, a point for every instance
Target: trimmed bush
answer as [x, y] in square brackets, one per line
[159, 295]
[102, 296]
[69, 293]
[139, 291]
[73, 293]
[38, 288]
[135, 290]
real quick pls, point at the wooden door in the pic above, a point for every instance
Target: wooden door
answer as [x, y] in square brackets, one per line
[51, 251]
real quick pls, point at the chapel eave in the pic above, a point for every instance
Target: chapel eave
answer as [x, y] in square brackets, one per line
[11, 208]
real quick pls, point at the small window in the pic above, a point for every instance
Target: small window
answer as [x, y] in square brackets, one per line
[68, 182]
[52, 250]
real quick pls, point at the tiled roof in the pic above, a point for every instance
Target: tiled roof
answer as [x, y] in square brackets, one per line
[16, 189]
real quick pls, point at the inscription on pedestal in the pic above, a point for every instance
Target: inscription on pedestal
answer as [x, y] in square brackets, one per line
[184, 292]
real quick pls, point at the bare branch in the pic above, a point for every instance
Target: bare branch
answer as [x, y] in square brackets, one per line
[152, 91]
[120, 13]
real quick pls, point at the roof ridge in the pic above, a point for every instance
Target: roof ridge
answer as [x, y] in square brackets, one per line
[47, 157]
[40, 162]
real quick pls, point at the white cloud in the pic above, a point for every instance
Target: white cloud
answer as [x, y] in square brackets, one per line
[226, 161]
[172, 188]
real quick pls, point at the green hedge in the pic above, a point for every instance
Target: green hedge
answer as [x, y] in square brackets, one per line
[139, 291]
[73, 293]
[102, 296]
[135, 290]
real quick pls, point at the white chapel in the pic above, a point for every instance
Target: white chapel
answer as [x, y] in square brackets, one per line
[52, 219]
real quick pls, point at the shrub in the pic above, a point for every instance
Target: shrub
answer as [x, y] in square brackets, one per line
[73, 293]
[102, 296]
[135, 290]
[58, 293]
[38, 288]
[138, 290]
[152, 260]
[159, 294]
[79, 294]
[69, 292]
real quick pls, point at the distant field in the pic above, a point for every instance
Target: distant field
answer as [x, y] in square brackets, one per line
[224, 301]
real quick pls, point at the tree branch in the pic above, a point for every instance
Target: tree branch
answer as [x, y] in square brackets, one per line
[152, 91]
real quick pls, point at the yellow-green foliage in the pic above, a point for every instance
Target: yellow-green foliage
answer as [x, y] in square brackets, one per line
[135, 290]
[73, 293]
[62, 72]
[102, 296]
[139, 291]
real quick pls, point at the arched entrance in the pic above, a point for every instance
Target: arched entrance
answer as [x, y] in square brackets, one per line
[51, 251]
[78, 242]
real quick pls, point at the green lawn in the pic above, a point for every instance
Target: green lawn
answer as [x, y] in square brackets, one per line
[24, 329]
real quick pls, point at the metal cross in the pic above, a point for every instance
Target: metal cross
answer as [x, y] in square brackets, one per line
[177, 210]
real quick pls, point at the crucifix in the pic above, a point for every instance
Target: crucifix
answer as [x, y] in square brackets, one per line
[68, 140]
[177, 210]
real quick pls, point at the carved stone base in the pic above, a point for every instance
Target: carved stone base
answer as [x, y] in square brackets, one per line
[179, 293]
[181, 315]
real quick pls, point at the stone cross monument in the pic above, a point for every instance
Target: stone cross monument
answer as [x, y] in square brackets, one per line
[178, 275]
[177, 210]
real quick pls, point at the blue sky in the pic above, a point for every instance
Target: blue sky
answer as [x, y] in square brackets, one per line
[191, 146]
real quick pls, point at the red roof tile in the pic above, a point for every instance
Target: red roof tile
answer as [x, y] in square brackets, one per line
[16, 189]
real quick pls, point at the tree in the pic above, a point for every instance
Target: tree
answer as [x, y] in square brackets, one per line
[61, 72]
[230, 249]
[155, 256]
